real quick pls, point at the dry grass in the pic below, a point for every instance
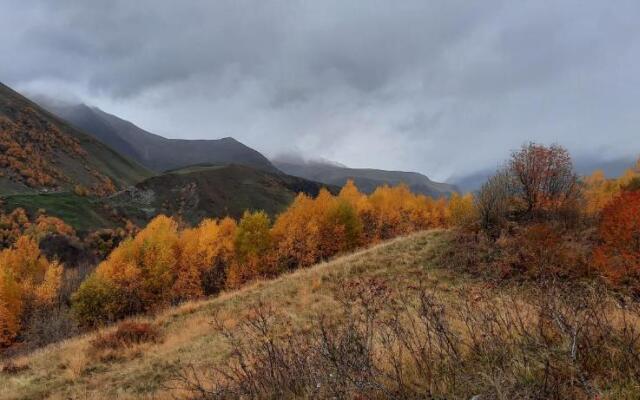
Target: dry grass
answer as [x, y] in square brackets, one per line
[71, 370]
[74, 369]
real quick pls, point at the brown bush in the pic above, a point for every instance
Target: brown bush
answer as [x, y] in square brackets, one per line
[11, 368]
[539, 251]
[127, 334]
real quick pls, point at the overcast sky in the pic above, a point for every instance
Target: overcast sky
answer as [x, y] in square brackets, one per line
[441, 87]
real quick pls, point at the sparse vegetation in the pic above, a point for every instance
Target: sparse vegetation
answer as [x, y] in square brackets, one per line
[532, 293]
[554, 342]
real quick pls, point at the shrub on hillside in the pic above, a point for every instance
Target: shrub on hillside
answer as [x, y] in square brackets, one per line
[461, 211]
[618, 255]
[544, 180]
[126, 334]
[538, 184]
[541, 251]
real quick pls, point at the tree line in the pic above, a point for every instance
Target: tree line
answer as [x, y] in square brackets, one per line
[534, 219]
[166, 262]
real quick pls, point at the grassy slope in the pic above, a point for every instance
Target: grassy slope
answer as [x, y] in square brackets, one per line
[82, 213]
[194, 193]
[67, 370]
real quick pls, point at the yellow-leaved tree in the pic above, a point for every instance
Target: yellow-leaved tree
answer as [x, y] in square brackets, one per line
[461, 210]
[252, 249]
[205, 254]
[28, 281]
[600, 191]
[137, 276]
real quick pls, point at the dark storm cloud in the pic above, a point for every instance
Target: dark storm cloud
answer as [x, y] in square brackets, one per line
[444, 87]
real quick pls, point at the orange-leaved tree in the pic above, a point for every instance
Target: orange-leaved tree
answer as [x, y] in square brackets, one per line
[28, 281]
[618, 255]
[544, 178]
[205, 254]
[137, 276]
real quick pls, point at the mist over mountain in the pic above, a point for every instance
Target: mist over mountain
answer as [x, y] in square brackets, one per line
[154, 151]
[366, 179]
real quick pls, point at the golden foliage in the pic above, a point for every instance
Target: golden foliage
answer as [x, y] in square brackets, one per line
[29, 147]
[461, 210]
[17, 223]
[27, 281]
[600, 191]
[162, 264]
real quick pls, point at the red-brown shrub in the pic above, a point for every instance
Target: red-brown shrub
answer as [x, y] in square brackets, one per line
[127, 334]
[618, 255]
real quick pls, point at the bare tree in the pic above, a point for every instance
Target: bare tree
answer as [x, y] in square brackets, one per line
[493, 202]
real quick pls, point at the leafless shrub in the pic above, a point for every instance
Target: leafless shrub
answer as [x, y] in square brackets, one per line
[554, 343]
[493, 203]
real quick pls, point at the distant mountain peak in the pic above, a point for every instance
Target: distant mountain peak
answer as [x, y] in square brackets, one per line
[366, 179]
[154, 151]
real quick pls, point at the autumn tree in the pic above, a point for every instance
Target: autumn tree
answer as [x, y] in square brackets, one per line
[351, 194]
[618, 255]
[544, 180]
[205, 253]
[296, 234]
[28, 282]
[252, 245]
[461, 210]
[137, 276]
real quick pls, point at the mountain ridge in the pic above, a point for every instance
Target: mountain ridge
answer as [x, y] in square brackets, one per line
[154, 151]
[366, 179]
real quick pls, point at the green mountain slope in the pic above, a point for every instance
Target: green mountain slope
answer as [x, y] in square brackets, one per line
[192, 193]
[40, 152]
[205, 190]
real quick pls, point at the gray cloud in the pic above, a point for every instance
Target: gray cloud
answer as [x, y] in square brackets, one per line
[443, 87]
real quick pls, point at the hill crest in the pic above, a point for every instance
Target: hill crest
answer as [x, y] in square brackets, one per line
[151, 150]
